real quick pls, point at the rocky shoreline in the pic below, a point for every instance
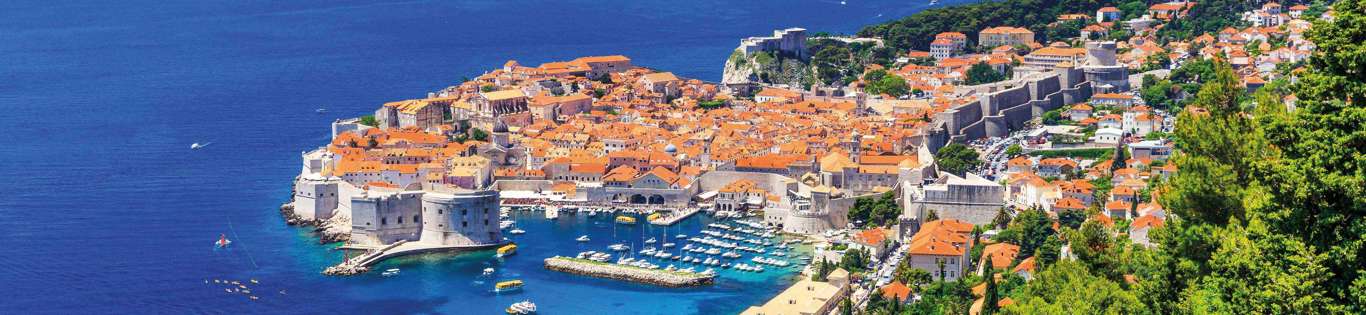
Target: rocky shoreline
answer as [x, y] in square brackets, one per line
[328, 231]
[672, 279]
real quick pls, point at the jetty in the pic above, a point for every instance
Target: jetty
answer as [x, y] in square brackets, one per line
[675, 216]
[665, 278]
[374, 255]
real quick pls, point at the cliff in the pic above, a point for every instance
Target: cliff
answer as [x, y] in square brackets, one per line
[765, 68]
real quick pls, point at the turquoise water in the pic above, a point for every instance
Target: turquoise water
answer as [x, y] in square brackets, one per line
[107, 211]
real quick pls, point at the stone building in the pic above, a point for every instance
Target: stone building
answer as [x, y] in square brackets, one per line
[461, 217]
[973, 199]
[790, 41]
[1004, 36]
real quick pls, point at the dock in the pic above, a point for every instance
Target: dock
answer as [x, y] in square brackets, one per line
[672, 279]
[675, 217]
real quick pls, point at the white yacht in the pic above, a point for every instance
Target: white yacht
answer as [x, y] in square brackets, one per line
[582, 238]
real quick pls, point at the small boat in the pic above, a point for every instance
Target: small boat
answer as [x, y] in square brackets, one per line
[619, 247]
[222, 241]
[507, 250]
[681, 236]
[320, 110]
[668, 245]
[522, 308]
[390, 273]
[197, 145]
[516, 231]
[506, 286]
[651, 241]
[488, 271]
[582, 238]
[626, 219]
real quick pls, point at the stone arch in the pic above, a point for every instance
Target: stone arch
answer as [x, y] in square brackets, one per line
[638, 199]
[656, 199]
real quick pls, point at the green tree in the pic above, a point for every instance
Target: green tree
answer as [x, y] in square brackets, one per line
[1030, 229]
[956, 158]
[989, 297]
[488, 88]
[1014, 150]
[478, 134]
[981, 73]
[1002, 218]
[369, 120]
[1068, 288]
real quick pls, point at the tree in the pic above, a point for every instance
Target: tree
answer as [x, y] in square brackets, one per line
[932, 216]
[957, 159]
[478, 134]
[488, 88]
[1071, 218]
[1002, 218]
[1068, 288]
[989, 298]
[981, 73]
[369, 120]
[1014, 150]
[1030, 229]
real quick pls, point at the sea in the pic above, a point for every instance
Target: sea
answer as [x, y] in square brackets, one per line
[105, 209]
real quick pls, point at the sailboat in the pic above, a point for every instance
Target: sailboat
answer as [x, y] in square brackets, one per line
[222, 241]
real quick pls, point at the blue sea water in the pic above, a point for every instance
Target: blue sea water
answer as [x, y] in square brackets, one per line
[104, 209]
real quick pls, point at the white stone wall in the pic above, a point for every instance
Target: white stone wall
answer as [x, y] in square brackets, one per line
[461, 218]
[315, 197]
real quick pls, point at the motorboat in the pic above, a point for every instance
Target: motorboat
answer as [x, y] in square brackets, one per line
[668, 245]
[507, 250]
[583, 238]
[197, 145]
[488, 271]
[222, 241]
[623, 219]
[390, 273]
[618, 247]
[522, 308]
[507, 286]
[651, 241]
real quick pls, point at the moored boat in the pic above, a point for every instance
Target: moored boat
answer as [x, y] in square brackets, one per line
[506, 286]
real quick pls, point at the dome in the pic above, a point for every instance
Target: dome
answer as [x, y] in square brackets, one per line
[670, 148]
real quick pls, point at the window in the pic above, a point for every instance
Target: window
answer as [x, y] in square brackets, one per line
[400, 220]
[438, 211]
[464, 212]
[383, 221]
[464, 224]
[416, 218]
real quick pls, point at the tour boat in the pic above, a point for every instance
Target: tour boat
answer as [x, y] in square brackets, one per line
[507, 250]
[505, 286]
[626, 219]
[222, 241]
[582, 238]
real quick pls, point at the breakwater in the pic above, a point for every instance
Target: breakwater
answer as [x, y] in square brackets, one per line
[672, 279]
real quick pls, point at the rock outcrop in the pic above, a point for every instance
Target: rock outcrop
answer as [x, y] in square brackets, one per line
[764, 68]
